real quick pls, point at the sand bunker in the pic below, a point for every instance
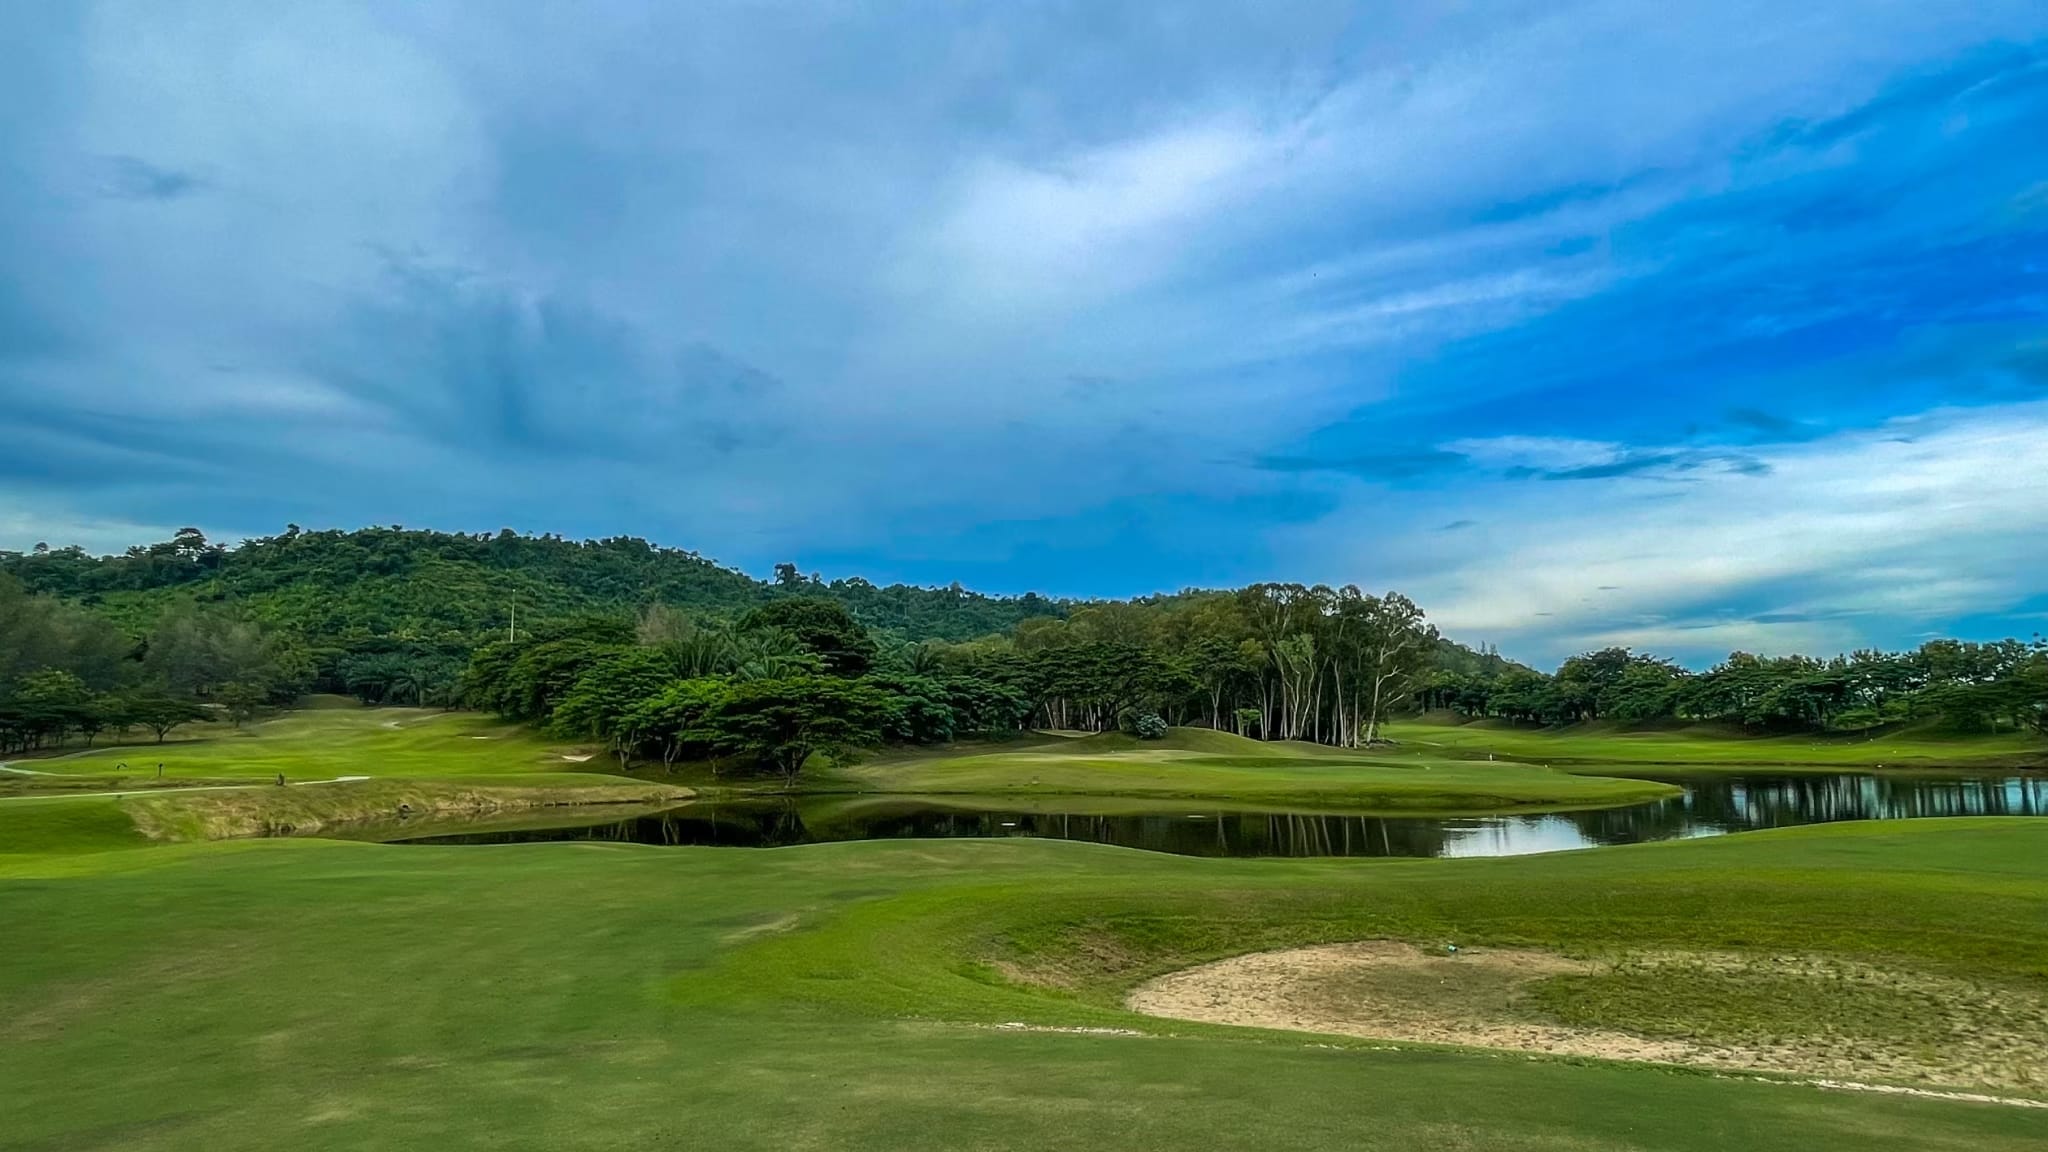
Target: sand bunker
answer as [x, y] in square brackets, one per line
[1482, 998]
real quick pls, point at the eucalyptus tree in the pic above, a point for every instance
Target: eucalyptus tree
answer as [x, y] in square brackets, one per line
[1390, 644]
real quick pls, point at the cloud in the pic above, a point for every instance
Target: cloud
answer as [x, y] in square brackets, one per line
[1846, 537]
[1100, 221]
[131, 179]
[1552, 458]
[1099, 302]
[1385, 464]
[59, 528]
[1758, 420]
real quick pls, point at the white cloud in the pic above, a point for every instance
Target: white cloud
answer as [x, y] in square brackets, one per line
[1922, 519]
[1080, 228]
[22, 529]
[1542, 452]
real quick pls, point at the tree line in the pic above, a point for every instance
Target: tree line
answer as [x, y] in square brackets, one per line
[67, 672]
[662, 655]
[801, 676]
[1958, 685]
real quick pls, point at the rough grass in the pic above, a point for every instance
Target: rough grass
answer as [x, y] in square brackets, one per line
[1709, 745]
[323, 995]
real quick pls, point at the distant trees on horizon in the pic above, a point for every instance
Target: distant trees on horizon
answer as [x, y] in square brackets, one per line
[1964, 686]
[635, 646]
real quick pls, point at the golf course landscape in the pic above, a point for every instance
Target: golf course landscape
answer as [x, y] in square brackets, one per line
[315, 843]
[166, 989]
[626, 576]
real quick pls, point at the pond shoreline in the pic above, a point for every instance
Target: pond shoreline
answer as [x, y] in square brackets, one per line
[1706, 804]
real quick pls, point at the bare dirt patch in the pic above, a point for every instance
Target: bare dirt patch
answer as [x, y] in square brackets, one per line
[1906, 1027]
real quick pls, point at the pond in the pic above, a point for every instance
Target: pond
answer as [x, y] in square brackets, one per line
[1713, 803]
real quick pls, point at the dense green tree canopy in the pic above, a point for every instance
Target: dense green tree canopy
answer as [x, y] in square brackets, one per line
[645, 650]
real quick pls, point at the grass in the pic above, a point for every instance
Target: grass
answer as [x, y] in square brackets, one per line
[1197, 764]
[39, 826]
[323, 743]
[1192, 763]
[319, 994]
[1708, 745]
[326, 995]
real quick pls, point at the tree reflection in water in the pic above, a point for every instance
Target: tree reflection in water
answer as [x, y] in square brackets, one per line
[1712, 804]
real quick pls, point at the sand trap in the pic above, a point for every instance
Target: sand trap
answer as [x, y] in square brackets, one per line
[1292, 990]
[1389, 990]
[587, 756]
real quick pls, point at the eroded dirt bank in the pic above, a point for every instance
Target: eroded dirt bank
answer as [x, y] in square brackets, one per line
[266, 811]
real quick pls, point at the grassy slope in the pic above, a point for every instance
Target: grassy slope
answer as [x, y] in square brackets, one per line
[1706, 746]
[38, 826]
[322, 995]
[1194, 763]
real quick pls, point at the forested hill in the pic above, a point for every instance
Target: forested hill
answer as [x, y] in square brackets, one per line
[393, 615]
[421, 585]
[397, 616]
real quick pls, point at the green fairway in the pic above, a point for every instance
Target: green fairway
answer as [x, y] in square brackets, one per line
[1195, 763]
[316, 995]
[411, 743]
[1605, 743]
[322, 743]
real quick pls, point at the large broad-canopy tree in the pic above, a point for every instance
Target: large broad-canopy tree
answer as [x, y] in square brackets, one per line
[785, 722]
[674, 721]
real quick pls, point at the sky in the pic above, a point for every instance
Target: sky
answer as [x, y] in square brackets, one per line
[1694, 326]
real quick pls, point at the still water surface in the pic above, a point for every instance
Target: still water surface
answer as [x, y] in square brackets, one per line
[1713, 804]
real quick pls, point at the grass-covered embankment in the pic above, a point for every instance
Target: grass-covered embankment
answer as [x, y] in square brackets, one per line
[1198, 764]
[62, 824]
[341, 806]
[862, 995]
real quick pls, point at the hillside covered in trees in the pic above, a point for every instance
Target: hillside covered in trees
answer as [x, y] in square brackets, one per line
[651, 651]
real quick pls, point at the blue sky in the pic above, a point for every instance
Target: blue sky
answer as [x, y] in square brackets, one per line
[1688, 326]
